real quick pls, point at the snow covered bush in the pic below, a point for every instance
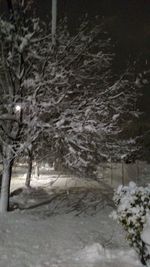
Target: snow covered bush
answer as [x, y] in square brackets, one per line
[133, 204]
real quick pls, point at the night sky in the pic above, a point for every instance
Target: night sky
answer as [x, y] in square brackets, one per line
[130, 19]
[127, 20]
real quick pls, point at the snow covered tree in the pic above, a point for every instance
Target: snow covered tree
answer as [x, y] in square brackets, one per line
[82, 103]
[82, 66]
[90, 109]
[21, 71]
[25, 76]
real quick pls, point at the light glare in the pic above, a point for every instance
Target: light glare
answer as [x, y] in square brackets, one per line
[18, 107]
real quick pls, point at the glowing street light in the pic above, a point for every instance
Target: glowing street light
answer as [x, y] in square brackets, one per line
[17, 108]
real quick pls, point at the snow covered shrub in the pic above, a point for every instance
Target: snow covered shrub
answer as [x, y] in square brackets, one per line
[133, 204]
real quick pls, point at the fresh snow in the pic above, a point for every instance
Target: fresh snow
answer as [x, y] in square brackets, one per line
[61, 241]
[63, 228]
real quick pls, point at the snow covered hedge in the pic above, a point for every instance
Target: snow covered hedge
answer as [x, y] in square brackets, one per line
[133, 205]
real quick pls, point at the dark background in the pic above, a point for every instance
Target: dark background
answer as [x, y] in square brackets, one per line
[127, 20]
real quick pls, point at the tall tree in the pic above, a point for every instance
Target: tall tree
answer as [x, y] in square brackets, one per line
[21, 67]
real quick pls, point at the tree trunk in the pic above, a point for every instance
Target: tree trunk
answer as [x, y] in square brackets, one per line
[37, 171]
[54, 21]
[122, 169]
[29, 171]
[5, 187]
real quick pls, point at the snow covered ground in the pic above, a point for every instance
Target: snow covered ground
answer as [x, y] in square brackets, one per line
[55, 227]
